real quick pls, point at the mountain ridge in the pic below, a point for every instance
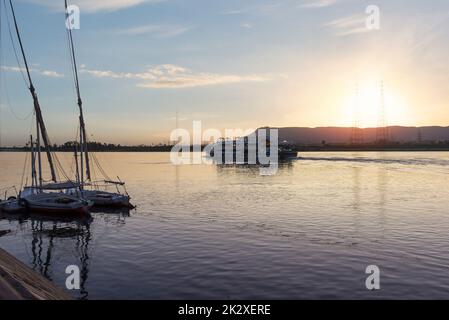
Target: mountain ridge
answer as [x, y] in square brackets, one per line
[334, 134]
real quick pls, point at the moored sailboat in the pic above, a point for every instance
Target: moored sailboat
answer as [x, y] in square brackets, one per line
[95, 191]
[9, 203]
[35, 200]
[39, 197]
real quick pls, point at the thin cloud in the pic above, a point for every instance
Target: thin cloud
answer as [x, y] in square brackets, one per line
[267, 8]
[93, 6]
[247, 25]
[319, 4]
[163, 31]
[51, 74]
[45, 73]
[263, 9]
[236, 11]
[170, 76]
[349, 25]
[430, 32]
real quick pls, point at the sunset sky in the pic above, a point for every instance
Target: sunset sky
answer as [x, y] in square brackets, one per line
[230, 64]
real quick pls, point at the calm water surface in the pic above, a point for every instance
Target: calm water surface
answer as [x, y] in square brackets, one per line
[211, 232]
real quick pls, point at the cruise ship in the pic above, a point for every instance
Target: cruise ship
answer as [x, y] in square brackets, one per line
[242, 151]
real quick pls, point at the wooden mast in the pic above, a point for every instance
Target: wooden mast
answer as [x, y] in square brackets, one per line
[33, 164]
[77, 172]
[83, 138]
[39, 158]
[37, 108]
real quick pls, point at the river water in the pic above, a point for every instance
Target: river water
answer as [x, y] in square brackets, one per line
[228, 232]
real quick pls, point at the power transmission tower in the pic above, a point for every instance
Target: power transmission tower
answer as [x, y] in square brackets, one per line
[356, 132]
[382, 135]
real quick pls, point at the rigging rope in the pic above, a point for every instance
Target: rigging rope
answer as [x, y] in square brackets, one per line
[97, 163]
[3, 82]
[22, 182]
[8, 102]
[72, 69]
[1, 74]
[73, 163]
[52, 155]
[100, 168]
[13, 44]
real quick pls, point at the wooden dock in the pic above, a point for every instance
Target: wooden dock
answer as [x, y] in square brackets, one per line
[18, 282]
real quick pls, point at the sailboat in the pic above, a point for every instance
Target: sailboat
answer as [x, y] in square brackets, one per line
[11, 206]
[95, 191]
[53, 198]
[46, 199]
[10, 203]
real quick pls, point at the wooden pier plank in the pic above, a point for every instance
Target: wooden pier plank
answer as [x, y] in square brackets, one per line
[18, 282]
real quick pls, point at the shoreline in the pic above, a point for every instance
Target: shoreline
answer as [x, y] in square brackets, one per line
[299, 150]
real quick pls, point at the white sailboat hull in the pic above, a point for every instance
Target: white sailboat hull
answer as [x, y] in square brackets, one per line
[55, 203]
[106, 199]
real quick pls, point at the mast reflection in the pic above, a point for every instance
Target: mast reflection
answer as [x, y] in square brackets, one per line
[46, 231]
[54, 238]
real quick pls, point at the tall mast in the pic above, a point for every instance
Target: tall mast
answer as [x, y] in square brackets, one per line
[37, 108]
[83, 138]
[33, 164]
[39, 158]
[81, 159]
[77, 169]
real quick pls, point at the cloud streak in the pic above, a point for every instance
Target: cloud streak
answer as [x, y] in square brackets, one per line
[349, 25]
[169, 76]
[270, 7]
[263, 9]
[319, 4]
[161, 31]
[93, 6]
[45, 73]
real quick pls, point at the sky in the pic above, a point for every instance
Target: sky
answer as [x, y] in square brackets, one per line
[229, 64]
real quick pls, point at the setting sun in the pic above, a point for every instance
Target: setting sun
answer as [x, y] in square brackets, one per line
[364, 105]
[198, 155]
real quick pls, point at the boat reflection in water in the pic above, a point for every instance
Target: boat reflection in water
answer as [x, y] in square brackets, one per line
[55, 239]
[283, 167]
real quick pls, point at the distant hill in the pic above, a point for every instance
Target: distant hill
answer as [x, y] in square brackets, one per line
[343, 135]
